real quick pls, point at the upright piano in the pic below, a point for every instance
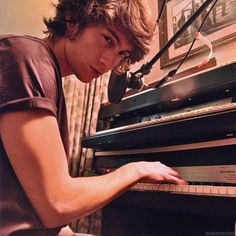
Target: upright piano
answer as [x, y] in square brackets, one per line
[189, 124]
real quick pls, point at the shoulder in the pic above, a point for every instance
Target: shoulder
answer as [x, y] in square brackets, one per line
[25, 58]
[24, 49]
[28, 72]
[22, 43]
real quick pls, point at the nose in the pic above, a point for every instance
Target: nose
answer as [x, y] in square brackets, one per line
[108, 60]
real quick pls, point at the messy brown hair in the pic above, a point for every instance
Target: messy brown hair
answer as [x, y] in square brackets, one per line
[131, 17]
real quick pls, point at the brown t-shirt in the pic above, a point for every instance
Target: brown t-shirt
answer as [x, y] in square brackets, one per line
[29, 79]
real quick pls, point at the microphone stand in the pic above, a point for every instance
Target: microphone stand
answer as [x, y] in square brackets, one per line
[146, 68]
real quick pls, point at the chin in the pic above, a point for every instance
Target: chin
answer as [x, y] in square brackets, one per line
[84, 79]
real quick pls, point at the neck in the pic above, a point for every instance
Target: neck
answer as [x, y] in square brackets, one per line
[58, 47]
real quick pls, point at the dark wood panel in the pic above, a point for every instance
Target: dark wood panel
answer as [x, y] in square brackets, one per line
[163, 214]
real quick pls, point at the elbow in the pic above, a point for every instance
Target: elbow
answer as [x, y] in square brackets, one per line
[54, 215]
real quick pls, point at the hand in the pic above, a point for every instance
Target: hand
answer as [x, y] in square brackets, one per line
[66, 231]
[156, 172]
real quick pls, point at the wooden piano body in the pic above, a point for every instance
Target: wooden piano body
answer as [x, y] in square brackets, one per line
[188, 124]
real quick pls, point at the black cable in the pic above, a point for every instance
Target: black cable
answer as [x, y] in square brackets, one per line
[173, 72]
[145, 69]
[194, 40]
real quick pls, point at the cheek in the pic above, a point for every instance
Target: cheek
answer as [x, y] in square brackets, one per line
[117, 61]
[76, 58]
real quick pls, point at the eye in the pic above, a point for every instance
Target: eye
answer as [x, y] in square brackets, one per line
[124, 54]
[108, 39]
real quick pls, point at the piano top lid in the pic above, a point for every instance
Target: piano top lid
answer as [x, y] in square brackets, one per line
[203, 84]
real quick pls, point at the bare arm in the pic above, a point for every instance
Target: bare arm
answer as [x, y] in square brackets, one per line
[33, 144]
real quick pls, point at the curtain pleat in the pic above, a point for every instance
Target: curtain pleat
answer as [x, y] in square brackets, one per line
[83, 103]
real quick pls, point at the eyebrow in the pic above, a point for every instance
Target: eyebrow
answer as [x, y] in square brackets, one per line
[114, 34]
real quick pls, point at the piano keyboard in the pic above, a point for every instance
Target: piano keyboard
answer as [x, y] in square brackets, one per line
[176, 117]
[208, 190]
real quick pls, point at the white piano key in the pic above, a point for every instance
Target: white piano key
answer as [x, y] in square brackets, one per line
[178, 188]
[172, 187]
[161, 187]
[192, 189]
[187, 189]
[167, 187]
[155, 187]
[207, 189]
[231, 190]
[199, 189]
[223, 190]
[214, 190]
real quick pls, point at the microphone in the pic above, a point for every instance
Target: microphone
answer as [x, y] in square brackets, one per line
[117, 86]
[120, 82]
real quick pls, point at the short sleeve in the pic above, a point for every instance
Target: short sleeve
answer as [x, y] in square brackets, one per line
[28, 76]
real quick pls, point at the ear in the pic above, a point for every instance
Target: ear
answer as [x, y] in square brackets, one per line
[72, 30]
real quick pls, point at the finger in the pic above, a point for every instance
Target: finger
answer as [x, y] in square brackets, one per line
[177, 180]
[174, 173]
[171, 170]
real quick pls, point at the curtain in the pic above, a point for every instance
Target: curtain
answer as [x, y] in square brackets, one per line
[83, 103]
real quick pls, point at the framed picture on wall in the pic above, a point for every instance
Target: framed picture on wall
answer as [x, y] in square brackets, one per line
[219, 27]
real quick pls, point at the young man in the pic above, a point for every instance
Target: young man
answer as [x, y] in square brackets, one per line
[86, 38]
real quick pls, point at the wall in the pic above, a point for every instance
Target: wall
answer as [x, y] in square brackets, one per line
[24, 17]
[222, 55]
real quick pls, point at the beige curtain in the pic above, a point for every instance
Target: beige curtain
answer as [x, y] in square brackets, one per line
[83, 103]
